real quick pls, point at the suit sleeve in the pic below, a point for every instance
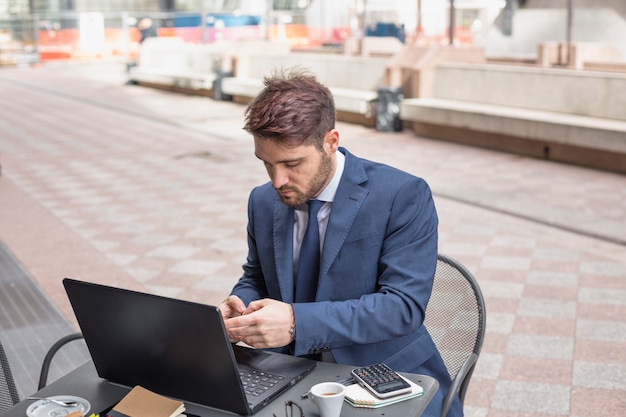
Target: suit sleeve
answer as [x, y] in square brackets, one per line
[251, 286]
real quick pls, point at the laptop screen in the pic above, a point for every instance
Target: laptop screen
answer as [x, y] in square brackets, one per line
[170, 346]
[173, 347]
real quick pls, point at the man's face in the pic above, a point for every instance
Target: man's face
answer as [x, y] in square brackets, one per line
[298, 173]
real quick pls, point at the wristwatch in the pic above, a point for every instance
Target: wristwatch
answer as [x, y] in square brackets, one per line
[292, 331]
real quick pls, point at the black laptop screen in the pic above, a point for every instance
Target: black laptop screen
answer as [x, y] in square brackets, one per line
[170, 346]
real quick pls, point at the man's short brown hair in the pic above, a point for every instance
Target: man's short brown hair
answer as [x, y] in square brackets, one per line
[293, 108]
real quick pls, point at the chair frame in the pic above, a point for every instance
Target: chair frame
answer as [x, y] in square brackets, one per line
[460, 381]
[47, 361]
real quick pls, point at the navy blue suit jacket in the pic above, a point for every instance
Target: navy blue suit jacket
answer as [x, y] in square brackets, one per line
[376, 273]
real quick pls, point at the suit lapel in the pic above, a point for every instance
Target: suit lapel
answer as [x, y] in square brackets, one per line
[283, 246]
[348, 200]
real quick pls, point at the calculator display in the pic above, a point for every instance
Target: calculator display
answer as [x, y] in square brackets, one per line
[390, 386]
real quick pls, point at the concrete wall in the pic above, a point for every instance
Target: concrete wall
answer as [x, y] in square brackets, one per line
[356, 72]
[560, 114]
[583, 93]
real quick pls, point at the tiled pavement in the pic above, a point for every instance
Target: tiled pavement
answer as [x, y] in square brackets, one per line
[145, 189]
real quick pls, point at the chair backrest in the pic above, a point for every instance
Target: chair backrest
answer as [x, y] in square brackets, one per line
[8, 391]
[455, 319]
[47, 360]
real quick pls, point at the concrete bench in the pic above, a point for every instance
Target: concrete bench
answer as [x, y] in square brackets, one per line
[565, 115]
[171, 63]
[354, 81]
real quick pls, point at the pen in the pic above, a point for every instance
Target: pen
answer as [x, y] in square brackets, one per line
[347, 381]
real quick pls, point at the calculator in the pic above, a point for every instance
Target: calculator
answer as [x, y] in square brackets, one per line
[381, 380]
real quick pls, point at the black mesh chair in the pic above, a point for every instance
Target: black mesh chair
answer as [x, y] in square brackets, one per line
[456, 318]
[8, 391]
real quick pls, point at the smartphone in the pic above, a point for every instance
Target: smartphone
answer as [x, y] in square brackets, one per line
[381, 380]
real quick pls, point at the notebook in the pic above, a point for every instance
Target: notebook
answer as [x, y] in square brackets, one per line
[357, 396]
[174, 347]
[141, 402]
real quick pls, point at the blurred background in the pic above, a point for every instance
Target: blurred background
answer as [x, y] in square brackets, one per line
[123, 162]
[57, 29]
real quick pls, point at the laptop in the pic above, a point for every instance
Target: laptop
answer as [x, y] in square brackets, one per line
[176, 348]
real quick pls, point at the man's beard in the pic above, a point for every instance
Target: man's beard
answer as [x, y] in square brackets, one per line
[315, 186]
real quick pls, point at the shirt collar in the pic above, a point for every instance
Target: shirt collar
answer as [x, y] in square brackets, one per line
[328, 193]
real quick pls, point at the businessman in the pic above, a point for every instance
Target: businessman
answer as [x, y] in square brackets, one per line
[361, 299]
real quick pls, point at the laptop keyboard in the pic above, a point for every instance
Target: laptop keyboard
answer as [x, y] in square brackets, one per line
[256, 382]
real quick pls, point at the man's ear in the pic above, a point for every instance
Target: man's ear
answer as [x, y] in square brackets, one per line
[331, 140]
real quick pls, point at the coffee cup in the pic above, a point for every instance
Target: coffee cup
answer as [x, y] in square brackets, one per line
[328, 397]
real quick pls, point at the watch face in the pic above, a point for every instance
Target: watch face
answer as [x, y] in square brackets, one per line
[45, 408]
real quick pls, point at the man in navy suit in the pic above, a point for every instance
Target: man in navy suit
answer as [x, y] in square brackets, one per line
[378, 234]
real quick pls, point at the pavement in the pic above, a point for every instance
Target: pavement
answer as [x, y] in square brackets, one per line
[146, 189]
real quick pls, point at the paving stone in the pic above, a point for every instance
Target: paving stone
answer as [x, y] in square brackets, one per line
[148, 190]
